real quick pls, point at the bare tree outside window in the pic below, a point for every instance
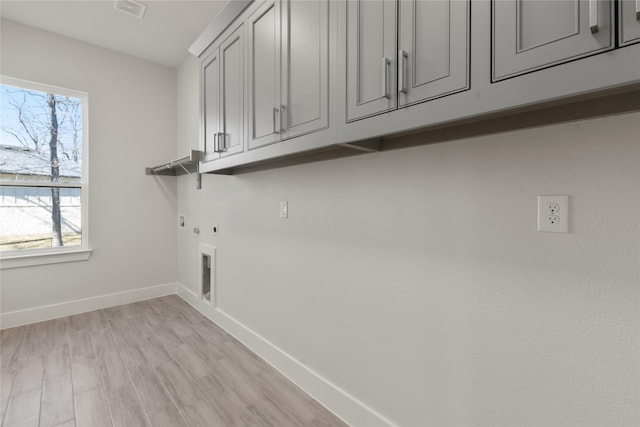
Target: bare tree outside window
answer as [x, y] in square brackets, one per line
[40, 169]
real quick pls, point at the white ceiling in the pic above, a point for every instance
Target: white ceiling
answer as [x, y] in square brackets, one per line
[163, 35]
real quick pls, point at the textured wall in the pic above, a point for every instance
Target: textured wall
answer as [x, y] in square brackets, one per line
[415, 279]
[132, 124]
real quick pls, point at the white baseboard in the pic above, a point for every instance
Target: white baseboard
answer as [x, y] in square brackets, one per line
[53, 311]
[338, 401]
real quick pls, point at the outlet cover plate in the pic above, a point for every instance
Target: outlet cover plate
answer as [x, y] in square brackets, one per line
[553, 213]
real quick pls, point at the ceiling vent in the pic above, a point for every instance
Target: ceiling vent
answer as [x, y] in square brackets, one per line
[130, 7]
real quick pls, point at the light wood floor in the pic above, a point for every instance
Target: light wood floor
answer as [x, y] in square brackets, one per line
[151, 363]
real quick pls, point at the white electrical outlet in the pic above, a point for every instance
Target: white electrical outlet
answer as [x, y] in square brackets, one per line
[553, 214]
[284, 209]
[182, 221]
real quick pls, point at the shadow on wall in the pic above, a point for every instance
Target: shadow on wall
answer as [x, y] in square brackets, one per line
[583, 107]
[546, 114]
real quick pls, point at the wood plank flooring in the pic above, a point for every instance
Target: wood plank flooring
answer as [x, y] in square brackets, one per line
[151, 363]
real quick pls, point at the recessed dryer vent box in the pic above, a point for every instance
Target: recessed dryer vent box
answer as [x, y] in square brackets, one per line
[208, 274]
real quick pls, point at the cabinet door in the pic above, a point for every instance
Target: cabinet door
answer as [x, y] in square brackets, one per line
[629, 21]
[371, 57]
[433, 55]
[210, 105]
[533, 34]
[232, 93]
[263, 40]
[305, 66]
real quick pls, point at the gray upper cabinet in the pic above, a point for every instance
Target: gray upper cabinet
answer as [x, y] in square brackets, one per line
[304, 67]
[629, 21]
[283, 78]
[222, 98]
[263, 59]
[433, 49]
[232, 94]
[528, 35]
[400, 53]
[371, 57]
[210, 105]
[288, 66]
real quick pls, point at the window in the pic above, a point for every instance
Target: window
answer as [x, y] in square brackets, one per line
[43, 174]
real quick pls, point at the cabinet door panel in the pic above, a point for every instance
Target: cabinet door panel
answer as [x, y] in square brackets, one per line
[434, 35]
[210, 108]
[232, 86]
[543, 22]
[264, 74]
[629, 22]
[305, 66]
[371, 57]
[533, 34]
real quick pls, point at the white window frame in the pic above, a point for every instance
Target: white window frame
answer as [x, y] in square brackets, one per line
[31, 257]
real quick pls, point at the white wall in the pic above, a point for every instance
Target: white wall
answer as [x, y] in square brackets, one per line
[132, 123]
[416, 281]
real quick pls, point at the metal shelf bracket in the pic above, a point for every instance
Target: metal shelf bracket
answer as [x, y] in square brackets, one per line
[187, 165]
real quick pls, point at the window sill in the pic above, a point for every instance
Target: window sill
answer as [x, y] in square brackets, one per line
[29, 260]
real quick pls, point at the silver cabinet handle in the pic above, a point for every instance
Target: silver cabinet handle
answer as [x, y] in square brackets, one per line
[276, 112]
[385, 77]
[402, 82]
[219, 142]
[283, 124]
[593, 15]
[638, 10]
[223, 139]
